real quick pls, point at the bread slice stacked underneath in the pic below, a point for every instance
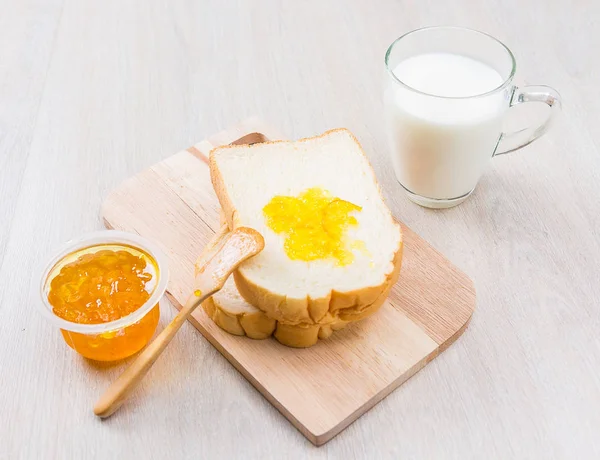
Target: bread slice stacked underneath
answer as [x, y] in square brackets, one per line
[303, 298]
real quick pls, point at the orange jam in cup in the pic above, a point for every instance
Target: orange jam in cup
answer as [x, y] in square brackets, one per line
[105, 296]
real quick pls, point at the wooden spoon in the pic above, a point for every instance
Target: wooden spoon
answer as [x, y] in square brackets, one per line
[221, 257]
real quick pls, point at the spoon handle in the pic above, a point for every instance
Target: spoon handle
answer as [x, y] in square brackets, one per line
[120, 389]
[222, 259]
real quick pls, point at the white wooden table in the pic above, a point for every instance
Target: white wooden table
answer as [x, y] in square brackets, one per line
[93, 92]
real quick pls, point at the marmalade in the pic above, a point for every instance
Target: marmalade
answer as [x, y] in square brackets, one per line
[101, 287]
[315, 225]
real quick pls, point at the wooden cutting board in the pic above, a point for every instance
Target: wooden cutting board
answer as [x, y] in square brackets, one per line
[322, 389]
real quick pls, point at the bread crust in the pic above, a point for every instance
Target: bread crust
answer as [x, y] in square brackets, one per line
[259, 326]
[254, 325]
[304, 312]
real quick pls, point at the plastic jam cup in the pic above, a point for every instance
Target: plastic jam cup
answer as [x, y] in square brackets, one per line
[125, 336]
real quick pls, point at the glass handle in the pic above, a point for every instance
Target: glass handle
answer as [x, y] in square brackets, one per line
[509, 142]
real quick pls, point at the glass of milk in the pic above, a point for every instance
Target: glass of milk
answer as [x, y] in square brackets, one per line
[447, 92]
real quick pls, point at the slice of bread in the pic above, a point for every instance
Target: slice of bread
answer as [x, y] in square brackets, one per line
[228, 309]
[233, 314]
[296, 292]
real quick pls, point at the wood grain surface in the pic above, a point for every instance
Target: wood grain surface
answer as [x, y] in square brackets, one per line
[323, 389]
[93, 92]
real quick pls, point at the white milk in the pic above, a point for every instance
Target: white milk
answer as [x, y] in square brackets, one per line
[442, 146]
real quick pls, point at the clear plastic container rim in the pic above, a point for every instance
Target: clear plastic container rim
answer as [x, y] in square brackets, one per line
[96, 239]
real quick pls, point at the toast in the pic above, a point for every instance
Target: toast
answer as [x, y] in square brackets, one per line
[304, 293]
[228, 310]
[233, 314]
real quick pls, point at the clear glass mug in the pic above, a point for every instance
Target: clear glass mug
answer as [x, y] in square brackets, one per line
[442, 145]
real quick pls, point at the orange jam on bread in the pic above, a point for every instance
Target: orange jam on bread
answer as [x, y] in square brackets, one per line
[100, 285]
[314, 224]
